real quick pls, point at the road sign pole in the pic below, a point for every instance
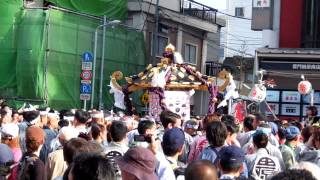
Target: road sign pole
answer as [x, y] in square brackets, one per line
[85, 105]
[102, 62]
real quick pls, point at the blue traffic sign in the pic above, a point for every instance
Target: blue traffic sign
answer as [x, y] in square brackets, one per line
[85, 88]
[87, 57]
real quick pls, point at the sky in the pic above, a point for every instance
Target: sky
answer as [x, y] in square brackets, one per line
[217, 4]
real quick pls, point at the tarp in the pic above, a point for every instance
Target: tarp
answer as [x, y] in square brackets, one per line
[114, 9]
[9, 18]
[40, 55]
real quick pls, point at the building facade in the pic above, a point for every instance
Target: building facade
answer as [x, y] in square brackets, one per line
[238, 38]
[193, 28]
[293, 42]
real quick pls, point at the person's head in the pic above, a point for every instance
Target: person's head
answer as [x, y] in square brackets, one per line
[16, 117]
[43, 117]
[294, 174]
[32, 117]
[66, 134]
[306, 133]
[170, 119]
[248, 123]
[316, 138]
[81, 117]
[74, 147]
[118, 131]
[173, 141]
[232, 128]
[34, 139]
[138, 163]
[63, 123]
[10, 135]
[312, 111]
[260, 139]
[201, 170]
[191, 127]
[146, 127]
[216, 133]
[292, 134]
[311, 167]
[92, 166]
[97, 117]
[5, 116]
[53, 120]
[231, 160]
[259, 118]
[274, 128]
[98, 132]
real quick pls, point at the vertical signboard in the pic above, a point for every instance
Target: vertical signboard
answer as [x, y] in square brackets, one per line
[86, 75]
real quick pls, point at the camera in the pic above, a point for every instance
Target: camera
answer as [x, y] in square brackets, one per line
[142, 138]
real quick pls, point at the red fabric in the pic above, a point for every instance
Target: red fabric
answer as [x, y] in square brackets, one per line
[291, 23]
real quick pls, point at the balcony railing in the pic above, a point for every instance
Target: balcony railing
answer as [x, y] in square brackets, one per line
[198, 10]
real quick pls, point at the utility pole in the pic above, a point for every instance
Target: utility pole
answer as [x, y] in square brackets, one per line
[155, 34]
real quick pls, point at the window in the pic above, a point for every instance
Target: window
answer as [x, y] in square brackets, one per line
[162, 43]
[190, 54]
[239, 12]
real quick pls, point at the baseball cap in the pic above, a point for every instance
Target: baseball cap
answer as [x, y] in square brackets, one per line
[140, 162]
[231, 155]
[173, 138]
[10, 129]
[36, 134]
[291, 132]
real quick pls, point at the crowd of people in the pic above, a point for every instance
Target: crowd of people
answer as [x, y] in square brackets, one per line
[43, 144]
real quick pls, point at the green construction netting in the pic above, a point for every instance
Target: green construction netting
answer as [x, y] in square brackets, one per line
[41, 56]
[9, 18]
[114, 9]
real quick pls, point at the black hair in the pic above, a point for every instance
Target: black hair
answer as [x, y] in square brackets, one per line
[248, 123]
[260, 140]
[3, 112]
[313, 109]
[94, 167]
[216, 133]
[294, 174]
[144, 125]
[229, 167]
[96, 129]
[118, 131]
[74, 147]
[260, 117]
[167, 117]
[231, 126]
[63, 123]
[82, 116]
[30, 115]
[197, 170]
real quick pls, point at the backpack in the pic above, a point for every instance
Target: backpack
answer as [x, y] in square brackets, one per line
[264, 166]
[111, 156]
[24, 166]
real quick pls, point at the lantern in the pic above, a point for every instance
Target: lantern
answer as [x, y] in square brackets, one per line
[304, 87]
[258, 93]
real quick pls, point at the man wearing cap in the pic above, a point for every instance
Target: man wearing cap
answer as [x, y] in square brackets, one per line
[292, 134]
[172, 145]
[191, 127]
[231, 159]
[138, 163]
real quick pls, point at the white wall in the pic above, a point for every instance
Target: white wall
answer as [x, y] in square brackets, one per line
[169, 4]
[237, 35]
